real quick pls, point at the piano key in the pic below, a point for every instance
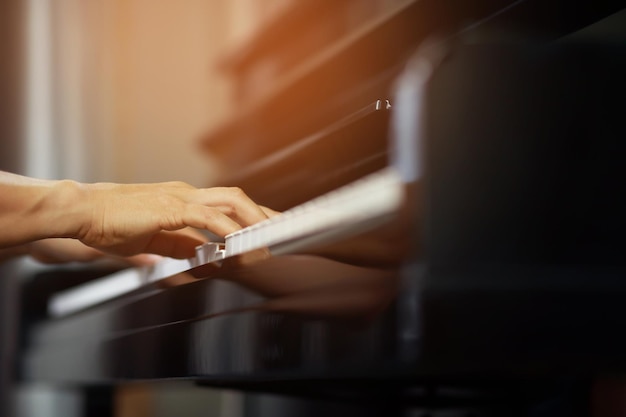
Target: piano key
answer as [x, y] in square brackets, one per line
[374, 195]
[349, 209]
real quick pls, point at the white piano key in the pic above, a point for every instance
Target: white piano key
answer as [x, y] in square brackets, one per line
[338, 211]
[92, 293]
[373, 195]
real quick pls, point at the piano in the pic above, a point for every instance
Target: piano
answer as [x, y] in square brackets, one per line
[451, 182]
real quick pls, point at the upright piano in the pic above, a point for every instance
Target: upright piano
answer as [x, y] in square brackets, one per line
[451, 182]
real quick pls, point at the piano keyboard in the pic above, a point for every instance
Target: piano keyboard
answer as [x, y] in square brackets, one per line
[364, 200]
[352, 209]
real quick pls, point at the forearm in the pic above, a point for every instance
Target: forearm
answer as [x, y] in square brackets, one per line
[120, 219]
[32, 209]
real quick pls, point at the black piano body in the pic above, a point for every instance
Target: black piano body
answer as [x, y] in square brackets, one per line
[501, 272]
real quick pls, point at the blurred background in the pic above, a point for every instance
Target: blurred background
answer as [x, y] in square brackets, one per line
[122, 90]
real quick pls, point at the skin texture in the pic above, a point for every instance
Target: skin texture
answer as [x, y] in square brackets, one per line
[121, 220]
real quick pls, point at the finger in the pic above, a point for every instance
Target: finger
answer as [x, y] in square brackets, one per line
[269, 212]
[194, 233]
[143, 259]
[233, 202]
[205, 218]
[173, 245]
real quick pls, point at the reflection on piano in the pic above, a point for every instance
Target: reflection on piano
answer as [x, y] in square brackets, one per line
[460, 247]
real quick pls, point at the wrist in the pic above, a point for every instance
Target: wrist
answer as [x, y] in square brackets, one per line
[65, 209]
[32, 209]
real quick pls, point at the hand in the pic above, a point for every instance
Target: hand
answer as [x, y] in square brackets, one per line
[119, 219]
[147, 218]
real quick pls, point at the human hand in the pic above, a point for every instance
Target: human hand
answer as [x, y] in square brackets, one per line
[119, 219]
[269, 212]
[129, 219]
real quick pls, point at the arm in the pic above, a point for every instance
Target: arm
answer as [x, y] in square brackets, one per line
[56, 251]
[119, 219]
